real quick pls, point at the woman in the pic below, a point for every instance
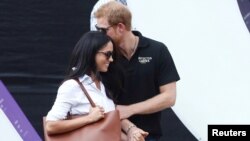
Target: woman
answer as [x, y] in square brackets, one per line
[91, 56]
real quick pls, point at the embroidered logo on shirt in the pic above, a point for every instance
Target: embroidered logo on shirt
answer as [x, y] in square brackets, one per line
[144, 60]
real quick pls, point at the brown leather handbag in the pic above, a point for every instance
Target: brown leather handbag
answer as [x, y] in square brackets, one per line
[106, 129]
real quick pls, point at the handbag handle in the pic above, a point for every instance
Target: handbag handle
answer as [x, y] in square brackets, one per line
[85, 92]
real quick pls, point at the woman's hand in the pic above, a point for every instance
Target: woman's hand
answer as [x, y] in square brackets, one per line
[96, 113]
[136, 134]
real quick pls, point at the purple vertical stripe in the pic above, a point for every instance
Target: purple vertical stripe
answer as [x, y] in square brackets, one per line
[16, 116]
[244, 6]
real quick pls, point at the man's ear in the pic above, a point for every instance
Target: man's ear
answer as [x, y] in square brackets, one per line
[121, 27]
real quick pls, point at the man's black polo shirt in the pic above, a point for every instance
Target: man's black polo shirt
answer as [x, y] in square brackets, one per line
[150, 67]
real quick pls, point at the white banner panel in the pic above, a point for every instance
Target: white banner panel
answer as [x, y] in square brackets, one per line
[210, 44]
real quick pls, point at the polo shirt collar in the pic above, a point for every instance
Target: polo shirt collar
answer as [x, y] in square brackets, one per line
[142, 42]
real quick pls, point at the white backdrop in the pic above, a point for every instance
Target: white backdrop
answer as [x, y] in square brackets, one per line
[210, 44]
[7, 130]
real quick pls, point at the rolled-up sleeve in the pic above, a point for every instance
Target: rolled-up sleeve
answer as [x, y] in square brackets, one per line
[64, 101]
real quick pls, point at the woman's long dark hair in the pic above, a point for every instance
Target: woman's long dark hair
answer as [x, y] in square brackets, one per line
[83, 56]
[83, 62]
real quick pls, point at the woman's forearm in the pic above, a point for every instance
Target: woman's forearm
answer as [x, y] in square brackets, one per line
[62, 126]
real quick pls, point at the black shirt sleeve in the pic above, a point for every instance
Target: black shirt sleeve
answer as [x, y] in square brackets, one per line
[167, 71]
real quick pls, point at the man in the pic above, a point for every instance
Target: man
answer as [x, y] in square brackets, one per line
[150, 73]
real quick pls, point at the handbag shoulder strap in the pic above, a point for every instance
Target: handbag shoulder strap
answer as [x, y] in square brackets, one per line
[85, 92]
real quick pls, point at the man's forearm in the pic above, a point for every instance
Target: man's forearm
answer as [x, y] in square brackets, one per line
[158, 103]
[165, 99]
[155, 104]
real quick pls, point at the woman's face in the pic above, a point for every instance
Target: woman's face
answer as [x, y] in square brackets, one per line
[104, 57]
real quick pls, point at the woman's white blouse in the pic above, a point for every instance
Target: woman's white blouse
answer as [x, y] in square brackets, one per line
[70, 98]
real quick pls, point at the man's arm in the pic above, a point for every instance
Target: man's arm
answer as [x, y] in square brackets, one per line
[164, 100]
